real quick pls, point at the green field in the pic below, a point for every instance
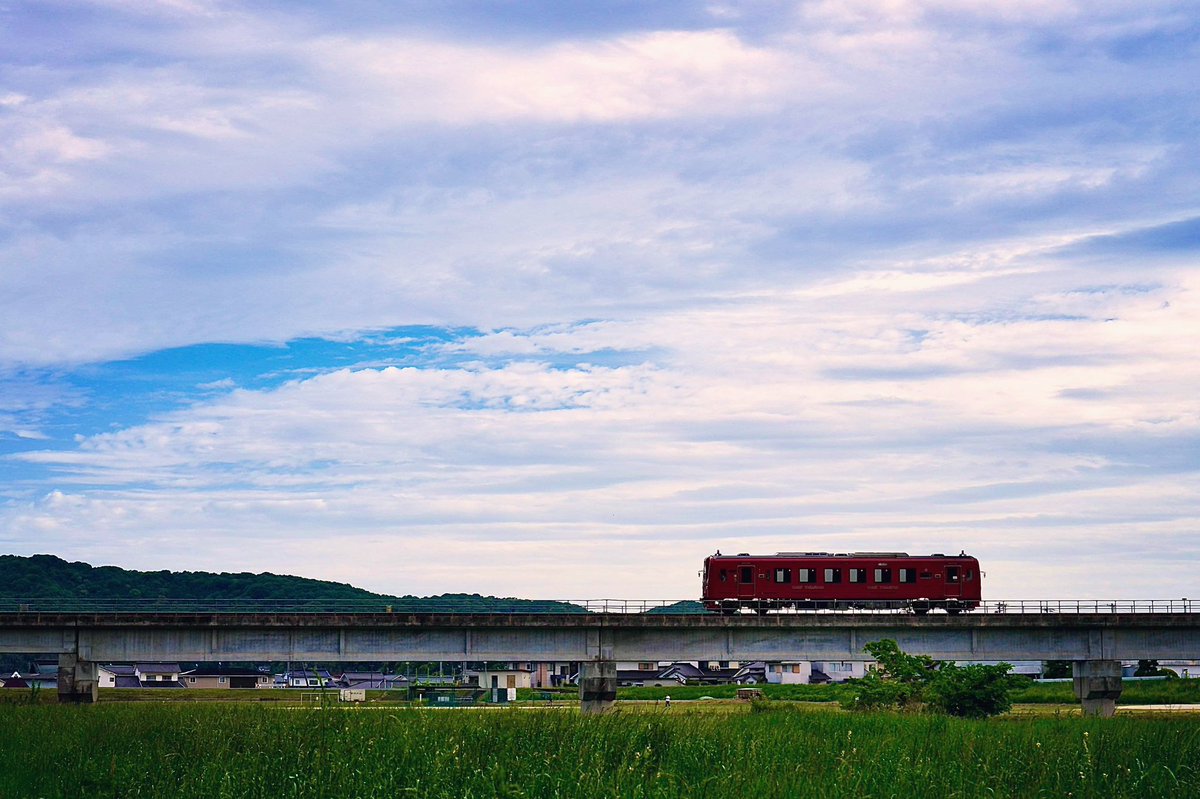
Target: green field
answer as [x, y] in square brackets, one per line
[764, 750]
[1134, 692]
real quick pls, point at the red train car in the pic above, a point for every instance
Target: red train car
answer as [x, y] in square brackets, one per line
[825, 581]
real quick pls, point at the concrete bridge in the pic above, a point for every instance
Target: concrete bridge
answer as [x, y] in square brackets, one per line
[1096, 642]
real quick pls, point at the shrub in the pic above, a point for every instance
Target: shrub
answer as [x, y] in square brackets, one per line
[975, 691]
[906, 681]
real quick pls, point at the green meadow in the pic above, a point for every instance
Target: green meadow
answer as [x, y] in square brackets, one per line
[209, 750]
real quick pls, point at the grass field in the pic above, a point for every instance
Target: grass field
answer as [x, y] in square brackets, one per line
[1134, 692]
[765, 750]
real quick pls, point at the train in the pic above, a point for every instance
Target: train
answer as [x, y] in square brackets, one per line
[842, 581]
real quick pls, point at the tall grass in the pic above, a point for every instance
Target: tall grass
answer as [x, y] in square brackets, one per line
[213, 751]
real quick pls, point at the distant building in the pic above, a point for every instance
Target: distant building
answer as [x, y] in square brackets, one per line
[305, 678]
[691, 673]
[790, 672]
[839, 670]
[371, 680]
[499, 678]
[209, 676]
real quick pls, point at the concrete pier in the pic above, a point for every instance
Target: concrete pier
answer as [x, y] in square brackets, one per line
[78, 680]
[1098, 686]
[597, 686]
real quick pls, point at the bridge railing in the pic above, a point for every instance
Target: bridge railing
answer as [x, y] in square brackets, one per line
[515, 606]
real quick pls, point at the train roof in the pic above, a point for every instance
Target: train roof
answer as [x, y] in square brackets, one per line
[841, 555]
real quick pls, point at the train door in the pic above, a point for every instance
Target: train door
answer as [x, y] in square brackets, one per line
[745, 581]
[953, 581]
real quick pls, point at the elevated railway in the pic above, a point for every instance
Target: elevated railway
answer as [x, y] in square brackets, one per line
[1096, 634]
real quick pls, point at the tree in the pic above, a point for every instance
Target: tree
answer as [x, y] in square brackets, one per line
[1057, 669]
[905, 681]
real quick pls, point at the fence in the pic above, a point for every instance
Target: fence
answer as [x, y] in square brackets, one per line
[510, 606]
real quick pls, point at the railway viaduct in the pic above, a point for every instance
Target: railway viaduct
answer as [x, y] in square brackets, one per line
[1096, 642]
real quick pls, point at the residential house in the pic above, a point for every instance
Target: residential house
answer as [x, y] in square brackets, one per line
[499, 678]
[642, 673]
[305, 678]
[116, 675]
[14, 680]
[553, 674]
[218, 676]
[839, 670]
[789, 672]
[372, 680]
[158, 675]
[695, 674]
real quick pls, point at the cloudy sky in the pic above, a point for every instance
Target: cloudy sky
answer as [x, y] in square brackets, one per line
[554, 299]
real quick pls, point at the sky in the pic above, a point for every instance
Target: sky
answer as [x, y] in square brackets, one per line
[553, 300]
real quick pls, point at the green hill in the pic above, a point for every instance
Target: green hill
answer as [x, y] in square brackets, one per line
[49, 583]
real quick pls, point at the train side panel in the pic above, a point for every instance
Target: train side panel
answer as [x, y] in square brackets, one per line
[839, 581]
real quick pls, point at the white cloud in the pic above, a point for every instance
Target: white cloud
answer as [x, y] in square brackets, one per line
[734, 435]
[645, 76]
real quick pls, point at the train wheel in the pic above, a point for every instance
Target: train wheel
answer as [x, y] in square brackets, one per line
[953, 608]
[920, 611]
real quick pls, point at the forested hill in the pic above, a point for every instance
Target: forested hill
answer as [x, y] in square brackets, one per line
[46, 582]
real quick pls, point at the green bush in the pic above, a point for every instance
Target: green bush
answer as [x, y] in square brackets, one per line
[976, 691]
[905, 682]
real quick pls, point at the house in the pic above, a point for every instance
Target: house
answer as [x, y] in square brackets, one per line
[499, 678]
[637, 678]
[305, 678]
[641, 673]
[839, 670]
[694, 674]
[554, 673]
[372, 680]
[158, 675]
[115, 675]
[14, 680]
[30, 679]
[219, 676]
[790, 672]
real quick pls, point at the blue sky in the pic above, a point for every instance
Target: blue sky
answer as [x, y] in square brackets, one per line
[550, 299]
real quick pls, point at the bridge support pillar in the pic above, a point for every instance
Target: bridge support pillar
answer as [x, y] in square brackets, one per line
[597, 686]
[1098, 686]
[78, 680]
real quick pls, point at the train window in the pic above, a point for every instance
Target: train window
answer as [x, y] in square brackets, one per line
[883, 576]
[970, 575]
[858, 575]
[724, 575]
[908, 575]
[806, 575]
[952, 574]
[746, 574]
[783, 575]
[833, 575]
